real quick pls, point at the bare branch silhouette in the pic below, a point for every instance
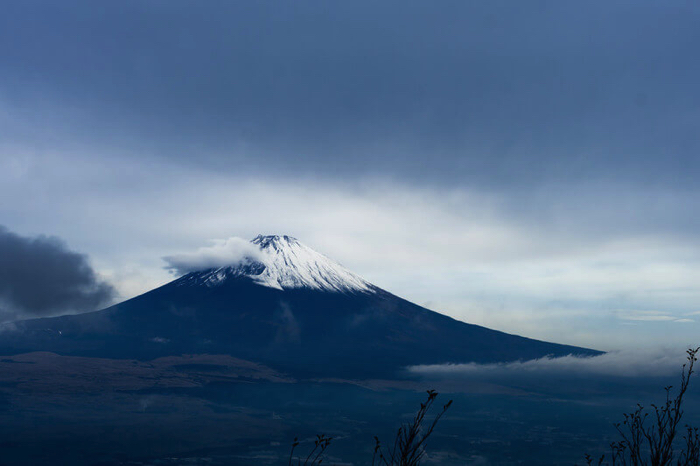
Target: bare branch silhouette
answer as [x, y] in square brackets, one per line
[650, 438]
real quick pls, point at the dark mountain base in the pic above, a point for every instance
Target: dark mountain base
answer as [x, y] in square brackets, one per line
[302, 332]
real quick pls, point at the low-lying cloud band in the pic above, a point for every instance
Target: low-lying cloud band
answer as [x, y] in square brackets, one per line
[664, 362]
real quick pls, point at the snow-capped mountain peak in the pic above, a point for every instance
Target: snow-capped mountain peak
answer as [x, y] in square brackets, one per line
[285, 263]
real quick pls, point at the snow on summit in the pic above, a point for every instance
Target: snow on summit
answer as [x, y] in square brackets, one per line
[285, 263]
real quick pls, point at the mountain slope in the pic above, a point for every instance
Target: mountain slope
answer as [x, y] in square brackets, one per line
[288, 307]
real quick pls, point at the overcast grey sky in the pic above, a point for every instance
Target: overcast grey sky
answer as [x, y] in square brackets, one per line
[529, 166]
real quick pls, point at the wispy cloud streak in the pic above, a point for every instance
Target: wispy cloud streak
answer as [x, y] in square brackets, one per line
[648, 363]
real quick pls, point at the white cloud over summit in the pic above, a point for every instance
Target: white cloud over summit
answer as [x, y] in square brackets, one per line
[221, 253]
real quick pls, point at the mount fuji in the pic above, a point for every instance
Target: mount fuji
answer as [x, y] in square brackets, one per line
[283, 305]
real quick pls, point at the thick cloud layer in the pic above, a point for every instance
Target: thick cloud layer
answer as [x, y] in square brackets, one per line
[222, 253]
[489, 93]
[41, 276]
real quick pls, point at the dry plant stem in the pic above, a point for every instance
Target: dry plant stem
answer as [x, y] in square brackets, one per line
[315, 456]
[409, 443]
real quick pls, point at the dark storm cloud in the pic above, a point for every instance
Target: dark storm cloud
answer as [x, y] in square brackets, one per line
[41, 276]
[497, 93]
